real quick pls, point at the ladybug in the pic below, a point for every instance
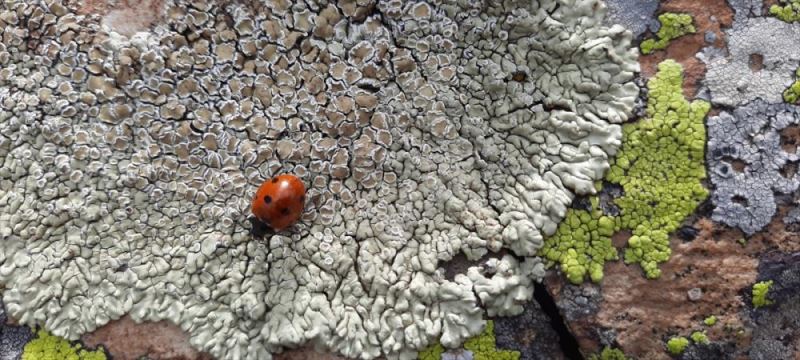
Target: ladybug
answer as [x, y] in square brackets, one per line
[279, 201]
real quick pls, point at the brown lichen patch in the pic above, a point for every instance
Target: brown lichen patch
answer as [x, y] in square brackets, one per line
[710, 15]
[305, 353]
[127, 340]
[645, 312]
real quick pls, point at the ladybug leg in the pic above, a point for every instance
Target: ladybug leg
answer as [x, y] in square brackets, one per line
[259, 229]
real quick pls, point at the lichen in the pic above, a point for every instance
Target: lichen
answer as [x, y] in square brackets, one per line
[433, 352]
[786, 10]
[48, 347]
[609, 354]
[732, 77]
[677, 345]
[700, 337]
[748, 165]
[792, 94]
[482, 347]
[673, 26]
[760, 292]
[422, 131]
[660, 168]
[710, 321]
[637, 16]
[582, 244]
[505, 285]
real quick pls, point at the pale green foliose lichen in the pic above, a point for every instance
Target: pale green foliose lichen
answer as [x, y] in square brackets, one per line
[49, 347]
[660, 168]
[128, 192]
[673, 26]
[760, 290]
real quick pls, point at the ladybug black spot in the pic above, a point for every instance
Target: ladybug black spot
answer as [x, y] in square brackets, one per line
[285, 211]
[274, 180]
[267, 199]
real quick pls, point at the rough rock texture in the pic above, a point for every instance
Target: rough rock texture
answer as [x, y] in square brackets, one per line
[12, 337]
[638, 315]
[711, 272]
[306, 353]
[637, 16]
[422, 131]
[530, 333]
[127, 340]
[776, 332]
[750, 162]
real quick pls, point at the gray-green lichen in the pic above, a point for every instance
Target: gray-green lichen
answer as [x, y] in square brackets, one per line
[730, 78]
[421, 129]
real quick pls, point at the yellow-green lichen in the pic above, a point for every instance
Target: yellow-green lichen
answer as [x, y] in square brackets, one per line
[787, 10]
[660, 168]
[760, 291]
[792, 94]
[48, 347]
[710, 321]
[700, 337]
[433, 352]
[482, 347]
[609, 354]
[677, 345]
[673, 26]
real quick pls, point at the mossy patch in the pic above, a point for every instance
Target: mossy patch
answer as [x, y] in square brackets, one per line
[792, 94]
[677, 345]
[786, 10]
[609, 354]
[483, 347]
[760, 291]
[673, 26]
[700, 337]
[660, 168]
[49, 347]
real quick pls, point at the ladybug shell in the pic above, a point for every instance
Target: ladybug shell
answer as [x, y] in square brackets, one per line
[279, 201]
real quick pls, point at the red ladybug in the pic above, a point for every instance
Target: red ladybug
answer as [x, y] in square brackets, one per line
[279, 201]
